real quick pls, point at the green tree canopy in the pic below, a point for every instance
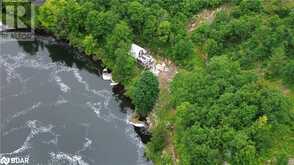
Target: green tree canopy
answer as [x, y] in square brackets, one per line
[124, 65]
[288, 72]
[224, 113]
[145, 93]
[121, 37]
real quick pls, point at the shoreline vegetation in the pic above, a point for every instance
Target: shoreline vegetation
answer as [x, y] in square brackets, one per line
[232, 98]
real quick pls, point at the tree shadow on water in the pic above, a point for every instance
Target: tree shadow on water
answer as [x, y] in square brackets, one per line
[61, 52]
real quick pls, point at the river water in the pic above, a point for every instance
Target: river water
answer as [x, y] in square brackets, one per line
[56, 109]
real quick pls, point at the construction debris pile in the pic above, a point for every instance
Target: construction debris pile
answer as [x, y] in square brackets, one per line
[144, 58]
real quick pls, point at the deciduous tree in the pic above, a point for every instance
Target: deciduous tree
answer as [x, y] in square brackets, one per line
[145, 93]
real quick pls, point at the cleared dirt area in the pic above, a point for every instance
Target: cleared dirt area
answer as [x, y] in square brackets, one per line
[167, 74]
[204, 16]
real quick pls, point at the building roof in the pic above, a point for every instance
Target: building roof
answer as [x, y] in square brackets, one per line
[144, 58]
[135, 49]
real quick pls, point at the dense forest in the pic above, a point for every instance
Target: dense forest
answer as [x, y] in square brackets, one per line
[232, 98]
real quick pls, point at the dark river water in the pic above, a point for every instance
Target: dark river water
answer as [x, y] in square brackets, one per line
[56, 109]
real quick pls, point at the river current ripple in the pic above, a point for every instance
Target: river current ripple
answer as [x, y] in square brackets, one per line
[56, 109]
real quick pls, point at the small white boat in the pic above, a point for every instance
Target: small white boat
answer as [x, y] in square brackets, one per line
[106, 75]
[139, 124]
[113, 83]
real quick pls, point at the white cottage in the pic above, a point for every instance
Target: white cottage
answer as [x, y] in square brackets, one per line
[144, 58]
[136, 50]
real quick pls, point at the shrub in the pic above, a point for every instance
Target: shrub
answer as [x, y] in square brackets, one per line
[145, 93]
[288, 72]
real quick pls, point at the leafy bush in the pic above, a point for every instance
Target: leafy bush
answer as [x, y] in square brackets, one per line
[288, 72]
[124, 66]
[145, 93]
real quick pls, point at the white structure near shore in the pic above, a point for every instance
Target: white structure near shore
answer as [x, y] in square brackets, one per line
[144, 58]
